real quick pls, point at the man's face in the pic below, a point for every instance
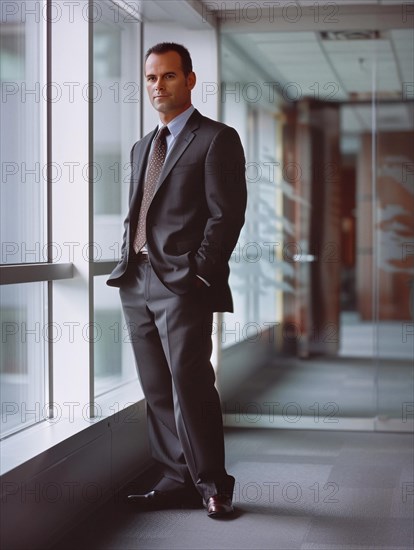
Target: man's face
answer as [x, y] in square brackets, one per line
[168, 89]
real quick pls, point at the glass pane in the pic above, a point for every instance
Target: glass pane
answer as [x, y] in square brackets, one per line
[116, 61]
[114, 361]
[393, 233]
[23, 355]
[23, 182]
[347, 294]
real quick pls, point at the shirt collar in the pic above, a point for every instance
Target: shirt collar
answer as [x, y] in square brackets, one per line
[178, 123]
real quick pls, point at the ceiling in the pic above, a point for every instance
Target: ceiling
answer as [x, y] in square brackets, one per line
[346, 51]
[374, 61]
[235, 4]
[338, 70]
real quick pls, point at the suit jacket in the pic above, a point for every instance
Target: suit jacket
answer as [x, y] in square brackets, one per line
[197, 211]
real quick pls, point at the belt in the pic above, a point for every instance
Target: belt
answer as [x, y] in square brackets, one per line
[140, 258]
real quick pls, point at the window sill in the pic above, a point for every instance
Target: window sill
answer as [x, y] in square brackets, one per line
[51, 439]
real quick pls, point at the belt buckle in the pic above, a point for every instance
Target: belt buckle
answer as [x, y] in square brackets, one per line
[142, 257]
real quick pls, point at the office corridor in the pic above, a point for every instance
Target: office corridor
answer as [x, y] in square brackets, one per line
[307, 490]
[315, 367]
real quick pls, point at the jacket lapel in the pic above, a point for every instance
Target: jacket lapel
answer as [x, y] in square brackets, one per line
[184, 139]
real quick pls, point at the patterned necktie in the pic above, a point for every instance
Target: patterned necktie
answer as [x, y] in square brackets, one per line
[155, 164]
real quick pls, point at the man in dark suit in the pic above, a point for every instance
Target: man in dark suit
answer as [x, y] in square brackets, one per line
[186, 209]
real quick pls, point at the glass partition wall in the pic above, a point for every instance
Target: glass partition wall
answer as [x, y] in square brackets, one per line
[328, 247]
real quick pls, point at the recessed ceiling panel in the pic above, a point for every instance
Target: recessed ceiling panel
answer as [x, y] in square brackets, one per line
[344, 69]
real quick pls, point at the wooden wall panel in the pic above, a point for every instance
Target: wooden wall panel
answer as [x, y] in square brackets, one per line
[385, 226]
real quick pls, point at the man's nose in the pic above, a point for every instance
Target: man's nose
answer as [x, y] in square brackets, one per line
[159, 84]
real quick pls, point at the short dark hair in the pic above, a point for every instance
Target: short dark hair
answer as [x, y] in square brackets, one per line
[164, 47]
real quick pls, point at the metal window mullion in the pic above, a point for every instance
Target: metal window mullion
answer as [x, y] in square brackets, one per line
[33, 273]
[91, 212]
[49, 211]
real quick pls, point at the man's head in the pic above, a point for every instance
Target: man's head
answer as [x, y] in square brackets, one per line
[169, 78]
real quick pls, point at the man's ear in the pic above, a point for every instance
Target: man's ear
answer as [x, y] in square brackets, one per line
[191, 80]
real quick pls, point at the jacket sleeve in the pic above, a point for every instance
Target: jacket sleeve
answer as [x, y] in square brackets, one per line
[226, 196]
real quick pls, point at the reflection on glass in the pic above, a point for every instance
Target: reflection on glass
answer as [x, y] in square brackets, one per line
[113, 358]
[23, 183]
[256, 263]
[116, 115]
[394, 236]
[25, 336]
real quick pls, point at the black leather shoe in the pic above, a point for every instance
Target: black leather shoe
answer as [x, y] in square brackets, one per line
[219, 506]
[178, 498]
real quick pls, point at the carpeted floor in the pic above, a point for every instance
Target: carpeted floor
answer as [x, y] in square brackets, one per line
[307, 490]
[339, 386]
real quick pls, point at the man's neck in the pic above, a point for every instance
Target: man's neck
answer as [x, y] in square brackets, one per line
[166, 118]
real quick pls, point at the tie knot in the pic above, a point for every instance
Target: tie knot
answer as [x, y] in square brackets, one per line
[163, 132]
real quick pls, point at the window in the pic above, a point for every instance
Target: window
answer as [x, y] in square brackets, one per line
[117, 75]
[23, 355]
[113, 358]
[23, 220]
[23, 111]
[64, 341]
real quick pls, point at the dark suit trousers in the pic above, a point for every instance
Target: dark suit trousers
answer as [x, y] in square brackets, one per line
[171, 339]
